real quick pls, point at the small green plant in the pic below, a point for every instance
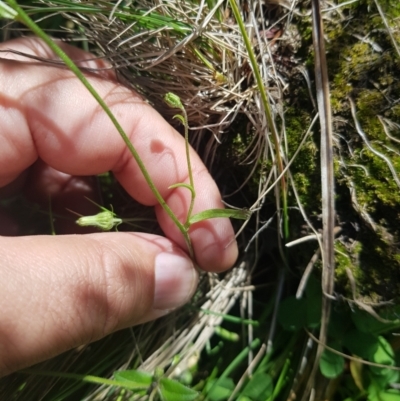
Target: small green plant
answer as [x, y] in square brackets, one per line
[354, 334]
[18, 14]
[174, 101]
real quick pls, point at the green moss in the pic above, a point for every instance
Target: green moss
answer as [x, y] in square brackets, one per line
[305, 168]
[345, 259]
[358, 68]
[369, 103]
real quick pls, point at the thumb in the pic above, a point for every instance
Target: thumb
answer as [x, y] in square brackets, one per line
[63, 291]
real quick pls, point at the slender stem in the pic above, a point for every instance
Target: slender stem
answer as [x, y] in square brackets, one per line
[174, 101]
[191, 182]
[24, 18]
[281, 381]
[239, 358]
[83, 378]
[268, 112]
[282, 188]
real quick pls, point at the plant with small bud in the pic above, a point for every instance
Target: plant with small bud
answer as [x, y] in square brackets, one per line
[105, 220]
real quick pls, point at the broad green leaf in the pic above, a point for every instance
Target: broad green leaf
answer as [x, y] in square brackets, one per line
[292, 314]
[385, 376]
[361, 344]
[339, 323]
[313, 312]
[259, 388]
[384, 355]
[313, 295]
[135, 378]
[389, 395]
[373, 392]
[313, 289]
[331, 364]
[376, 394]
[220, 389]
[240, 214]
[364, 321]
[171, 390]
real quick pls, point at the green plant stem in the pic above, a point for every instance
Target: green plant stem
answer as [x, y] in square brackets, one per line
[268, 113]
[189, 163]
[239, 358]
[25, 19]
[236, 362]
[229, 318]
[82, 378]
[281, 381]
[174, 101]
[279, 162]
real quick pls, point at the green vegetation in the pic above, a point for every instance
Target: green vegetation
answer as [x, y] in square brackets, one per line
[247, 105]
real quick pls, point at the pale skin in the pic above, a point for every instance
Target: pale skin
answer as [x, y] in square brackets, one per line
[59, 292]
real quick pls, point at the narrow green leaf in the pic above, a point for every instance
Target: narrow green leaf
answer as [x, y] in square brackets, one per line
[240, 214]
[230, 318]
[171, 390]
[88, 379]
[356, 370]
[183, 185]
[135, 378]
[7, 12]
[180, 118]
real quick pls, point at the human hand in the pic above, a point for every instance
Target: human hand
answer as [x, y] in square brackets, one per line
[62, 291]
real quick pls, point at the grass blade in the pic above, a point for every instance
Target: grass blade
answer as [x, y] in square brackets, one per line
[214, 213]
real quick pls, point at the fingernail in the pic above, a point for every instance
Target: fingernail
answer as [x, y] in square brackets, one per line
[176, 280]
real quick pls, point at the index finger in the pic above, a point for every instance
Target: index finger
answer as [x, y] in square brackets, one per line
[48, 114]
